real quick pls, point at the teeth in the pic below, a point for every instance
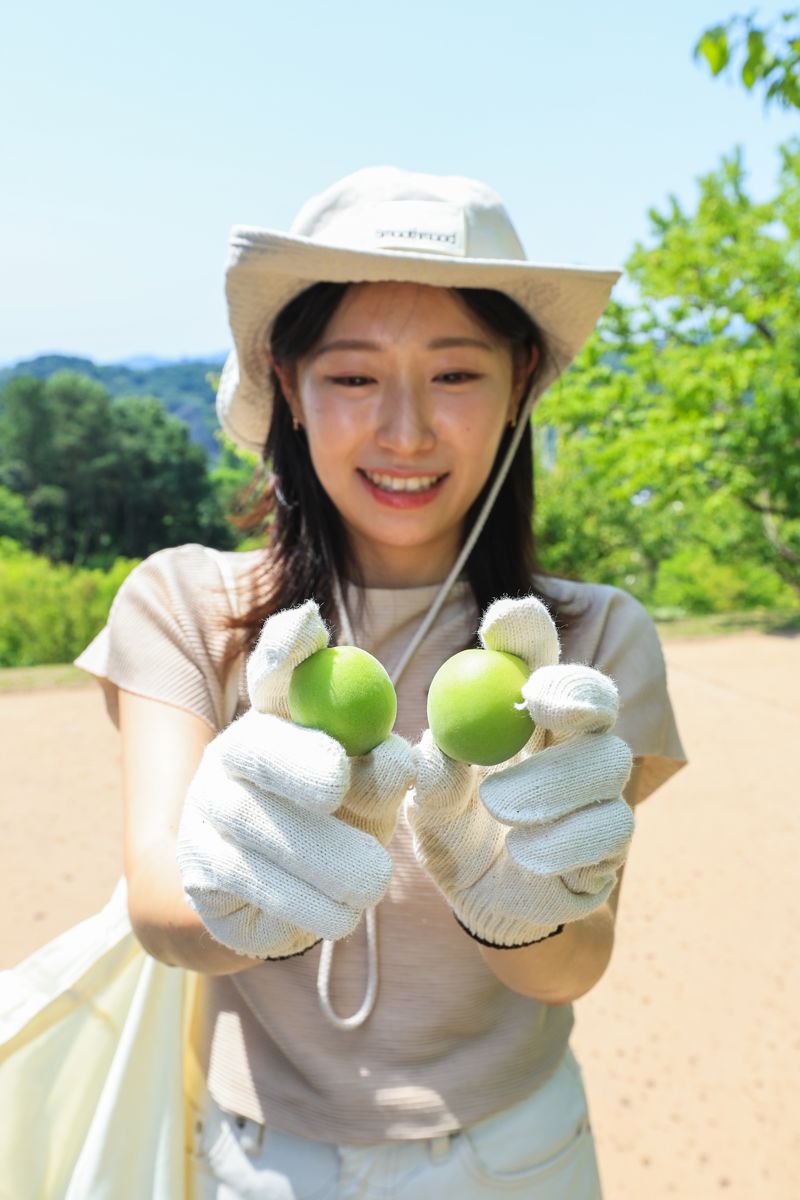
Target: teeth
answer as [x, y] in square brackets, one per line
[393, 483]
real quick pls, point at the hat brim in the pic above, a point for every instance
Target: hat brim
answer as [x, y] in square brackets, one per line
[267, 269]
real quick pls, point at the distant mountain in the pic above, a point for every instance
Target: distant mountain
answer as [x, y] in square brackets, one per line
[181, 386]
[143, 362]
[146, 362]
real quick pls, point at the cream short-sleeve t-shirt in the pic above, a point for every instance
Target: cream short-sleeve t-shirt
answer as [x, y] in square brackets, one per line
[446, 1044]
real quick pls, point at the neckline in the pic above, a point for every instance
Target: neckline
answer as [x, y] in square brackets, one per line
[421, 590]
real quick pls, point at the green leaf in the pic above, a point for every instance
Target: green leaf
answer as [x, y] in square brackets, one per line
[756, 46]
[769, 55]
[713, 47]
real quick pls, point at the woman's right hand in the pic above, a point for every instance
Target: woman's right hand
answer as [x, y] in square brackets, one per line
[282, 836]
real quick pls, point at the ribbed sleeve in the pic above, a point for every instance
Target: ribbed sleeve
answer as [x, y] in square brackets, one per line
[165, 637]
[616, 635]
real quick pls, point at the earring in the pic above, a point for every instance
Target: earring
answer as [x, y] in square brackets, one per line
[513, 422]
[296, 424]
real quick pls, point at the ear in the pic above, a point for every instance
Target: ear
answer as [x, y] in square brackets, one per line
[287, 378]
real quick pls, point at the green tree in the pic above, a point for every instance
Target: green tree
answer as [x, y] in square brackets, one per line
[163, 494]
[680, 429]
[237, 478]
[15, 518]
[56, 452]
[99, 478]
[765, 56]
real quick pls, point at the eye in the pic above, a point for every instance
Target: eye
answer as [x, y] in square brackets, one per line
[457, 376]
[350, 381]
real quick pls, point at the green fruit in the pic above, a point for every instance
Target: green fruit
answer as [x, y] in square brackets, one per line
[471, 710]
[346, 693]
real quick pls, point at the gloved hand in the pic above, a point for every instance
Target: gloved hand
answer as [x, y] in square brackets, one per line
[520, 850]
[282, 837]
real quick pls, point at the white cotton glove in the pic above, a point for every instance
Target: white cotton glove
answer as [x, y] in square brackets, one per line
[520, 850]
[282, 836]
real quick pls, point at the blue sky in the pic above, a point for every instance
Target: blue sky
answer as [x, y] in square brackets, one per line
[134, 135]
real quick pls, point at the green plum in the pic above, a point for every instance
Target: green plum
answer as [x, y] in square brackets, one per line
[345, 692]
[471, 707]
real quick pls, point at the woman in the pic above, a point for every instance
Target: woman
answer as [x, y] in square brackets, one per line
[387, 355]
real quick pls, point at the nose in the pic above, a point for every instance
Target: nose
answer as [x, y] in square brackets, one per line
[405, 425]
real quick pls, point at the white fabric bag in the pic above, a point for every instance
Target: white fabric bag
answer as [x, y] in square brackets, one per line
[97, 1075]
[95, 1068]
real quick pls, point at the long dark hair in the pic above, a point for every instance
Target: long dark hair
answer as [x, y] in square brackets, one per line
[307, 542]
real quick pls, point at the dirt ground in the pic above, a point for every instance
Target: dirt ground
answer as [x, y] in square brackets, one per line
[690, 1044]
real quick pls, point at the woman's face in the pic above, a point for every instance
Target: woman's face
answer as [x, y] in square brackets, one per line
[404, 401]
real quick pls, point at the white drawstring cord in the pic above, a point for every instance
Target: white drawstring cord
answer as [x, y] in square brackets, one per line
[326, 956]
[370, 995]
[466, 549]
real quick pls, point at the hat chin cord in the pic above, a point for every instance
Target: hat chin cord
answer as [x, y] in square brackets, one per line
[326, 955]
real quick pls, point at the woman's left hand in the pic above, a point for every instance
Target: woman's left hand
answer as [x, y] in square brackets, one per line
[520, 850]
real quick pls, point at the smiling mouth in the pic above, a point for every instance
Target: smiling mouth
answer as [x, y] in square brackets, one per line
[398, 483]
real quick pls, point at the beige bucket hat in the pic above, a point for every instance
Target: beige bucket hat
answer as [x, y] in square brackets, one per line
[379, 224]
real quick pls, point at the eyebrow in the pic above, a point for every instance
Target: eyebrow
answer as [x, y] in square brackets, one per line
[443, 343]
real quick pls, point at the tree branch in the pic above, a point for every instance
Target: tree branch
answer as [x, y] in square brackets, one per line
[765, 510]
[773, 536]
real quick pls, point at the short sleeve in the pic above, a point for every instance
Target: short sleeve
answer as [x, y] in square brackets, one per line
[614, 633]
[166, 636]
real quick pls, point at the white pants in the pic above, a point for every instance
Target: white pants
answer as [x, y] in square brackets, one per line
[540, 1148]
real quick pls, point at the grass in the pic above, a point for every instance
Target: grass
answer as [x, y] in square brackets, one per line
[769, 621]
[766, 620]
[27, 679]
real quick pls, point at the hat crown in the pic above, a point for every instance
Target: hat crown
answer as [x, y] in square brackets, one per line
[385, 208]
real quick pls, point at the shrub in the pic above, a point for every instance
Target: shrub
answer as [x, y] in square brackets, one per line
[694, 581]
[50, 611]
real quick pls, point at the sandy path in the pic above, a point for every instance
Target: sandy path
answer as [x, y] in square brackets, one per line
[690, 1044]
[60, 813]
